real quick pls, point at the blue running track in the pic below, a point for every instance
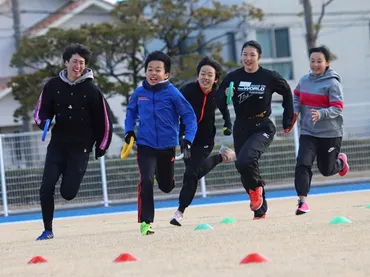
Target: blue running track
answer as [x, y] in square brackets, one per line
[210, 200]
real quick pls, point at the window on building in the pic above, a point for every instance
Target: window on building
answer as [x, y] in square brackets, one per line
[231, 47]
[276, 54]
[226, 40]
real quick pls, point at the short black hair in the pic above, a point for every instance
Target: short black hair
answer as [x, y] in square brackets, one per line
[76, 48]
[159, 56]
[321, 49]
[211, 62]
[254, 44]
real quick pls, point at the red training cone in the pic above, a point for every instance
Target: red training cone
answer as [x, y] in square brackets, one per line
[254, 258]
[37, 260]
[125, 257]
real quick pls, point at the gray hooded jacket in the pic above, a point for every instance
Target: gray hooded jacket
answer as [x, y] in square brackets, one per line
[322, 93]
[87, 74]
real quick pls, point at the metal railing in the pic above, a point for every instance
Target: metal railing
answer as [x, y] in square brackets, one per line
[111, 180]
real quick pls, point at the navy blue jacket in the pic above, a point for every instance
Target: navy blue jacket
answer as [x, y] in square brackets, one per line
[158, 109]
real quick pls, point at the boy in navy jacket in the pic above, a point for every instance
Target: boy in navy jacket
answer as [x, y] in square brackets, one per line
[157, 105]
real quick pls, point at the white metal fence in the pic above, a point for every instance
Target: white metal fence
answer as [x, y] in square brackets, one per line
[111, 181]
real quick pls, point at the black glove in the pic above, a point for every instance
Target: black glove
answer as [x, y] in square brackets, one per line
[181, 138]
[42, 125]
[129, 135]
[99, 153]
[186, 148]
[226, 130]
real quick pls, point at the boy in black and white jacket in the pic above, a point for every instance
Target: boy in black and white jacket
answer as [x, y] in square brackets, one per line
[82, 119]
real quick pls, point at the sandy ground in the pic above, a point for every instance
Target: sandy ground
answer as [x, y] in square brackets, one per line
[297, 246]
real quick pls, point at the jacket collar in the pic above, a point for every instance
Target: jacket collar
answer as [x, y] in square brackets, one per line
[157, 87]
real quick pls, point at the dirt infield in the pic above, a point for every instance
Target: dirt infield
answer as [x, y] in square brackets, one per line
[297, 246]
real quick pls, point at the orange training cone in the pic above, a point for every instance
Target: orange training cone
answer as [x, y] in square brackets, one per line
[125, 257]
[37, 260]
[254, 258]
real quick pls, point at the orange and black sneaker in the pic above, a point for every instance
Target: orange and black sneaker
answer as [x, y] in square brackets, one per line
[262, 212]
[256, 198]
[259, 217]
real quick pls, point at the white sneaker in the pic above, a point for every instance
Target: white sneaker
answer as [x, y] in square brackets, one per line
[176, 219]
[228, 155]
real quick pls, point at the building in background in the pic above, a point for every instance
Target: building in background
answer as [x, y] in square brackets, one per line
[345, 30]
[37, 17]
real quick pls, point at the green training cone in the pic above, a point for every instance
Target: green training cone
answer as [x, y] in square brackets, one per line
[340, 220]
[367, 206]
[203, 227]
[228, 220]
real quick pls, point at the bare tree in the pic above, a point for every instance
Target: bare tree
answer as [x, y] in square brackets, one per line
[313, 29]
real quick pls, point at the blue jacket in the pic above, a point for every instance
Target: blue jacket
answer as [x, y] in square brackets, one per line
[158, 109]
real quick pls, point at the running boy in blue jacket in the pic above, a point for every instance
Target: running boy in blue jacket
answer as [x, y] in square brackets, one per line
[157, 105]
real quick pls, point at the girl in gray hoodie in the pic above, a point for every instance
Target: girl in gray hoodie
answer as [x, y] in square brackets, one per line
[318, 97]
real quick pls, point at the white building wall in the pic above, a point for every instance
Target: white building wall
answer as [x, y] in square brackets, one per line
[348, 36]
[346, 31]
[91, 15]
[7, 107]
[32, 12]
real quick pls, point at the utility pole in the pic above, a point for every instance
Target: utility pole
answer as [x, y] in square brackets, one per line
[17, 40]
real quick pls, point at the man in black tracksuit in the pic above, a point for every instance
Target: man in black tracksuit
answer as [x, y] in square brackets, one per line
[201, 96]
[83, 118]
[253, 130]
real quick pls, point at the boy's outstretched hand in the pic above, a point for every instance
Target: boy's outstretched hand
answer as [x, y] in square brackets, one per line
[226, 131]
[43, 123]
[99, 153]
[186, 148]
[129, 135]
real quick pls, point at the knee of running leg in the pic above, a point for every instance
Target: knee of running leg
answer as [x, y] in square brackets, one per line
[167, 189]
[243, 164]
[325, 172]
[46, 197]
[46, 191]
[190, 177]
[304, 167]
[304, 162]
[148, 180]
[68, 195]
